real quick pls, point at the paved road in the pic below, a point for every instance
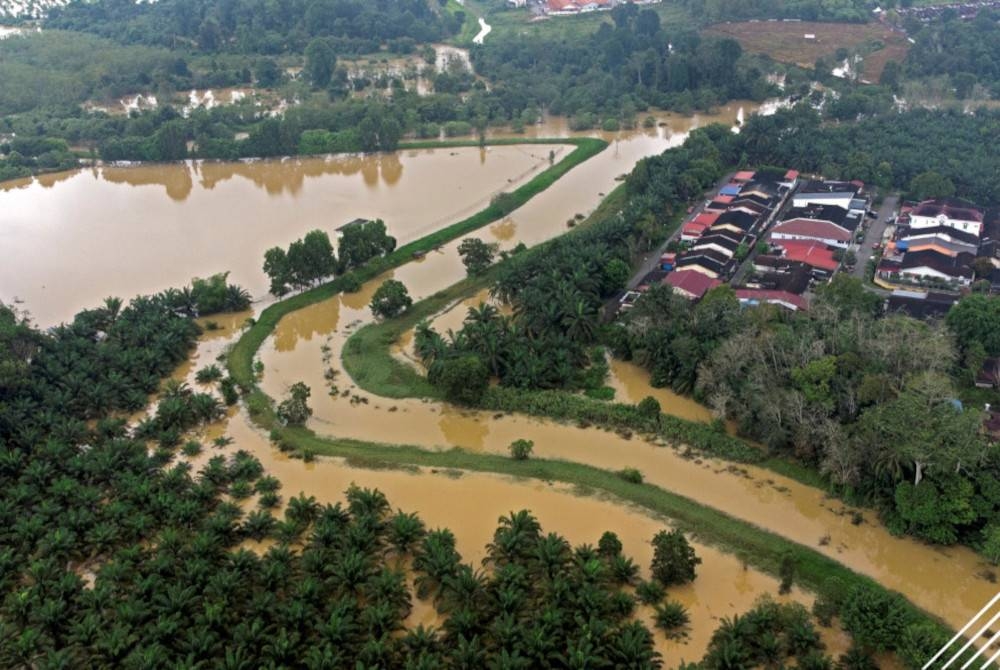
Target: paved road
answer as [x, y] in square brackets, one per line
[874, 235]
[651, 260]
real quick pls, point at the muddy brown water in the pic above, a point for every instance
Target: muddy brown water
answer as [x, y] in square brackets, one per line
[73, 238]
[470, 504]
[942, 581]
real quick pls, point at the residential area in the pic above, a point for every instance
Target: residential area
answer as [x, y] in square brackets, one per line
[544, 8]
[774, 236]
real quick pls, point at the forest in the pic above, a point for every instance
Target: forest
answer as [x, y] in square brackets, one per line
[245, 26]
[624, 68]
[967, 52]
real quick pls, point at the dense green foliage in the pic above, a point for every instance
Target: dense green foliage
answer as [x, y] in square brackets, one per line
[306, 261]
[557, 289]
[888, 150]
[350, 26]
[967, 52]
[766, 636]
[674, 560]
[23, 156]
[390, 299]
[622, 68]
[807, 10]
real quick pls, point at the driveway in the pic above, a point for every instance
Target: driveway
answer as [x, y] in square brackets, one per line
[874, 235]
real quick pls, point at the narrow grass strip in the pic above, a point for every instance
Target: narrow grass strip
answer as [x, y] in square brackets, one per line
[240, 360]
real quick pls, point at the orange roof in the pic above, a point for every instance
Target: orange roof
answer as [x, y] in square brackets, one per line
[744, 175]
[707, 218]
[814, 254]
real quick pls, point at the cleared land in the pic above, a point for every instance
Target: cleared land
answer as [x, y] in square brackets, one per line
[786, 41]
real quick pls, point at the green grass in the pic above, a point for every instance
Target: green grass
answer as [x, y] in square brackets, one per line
[366, 356]
[240, 360]
[757, 547]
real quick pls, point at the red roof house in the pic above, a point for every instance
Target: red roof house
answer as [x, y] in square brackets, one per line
[691, 284]
[744, 176]
[815, 255]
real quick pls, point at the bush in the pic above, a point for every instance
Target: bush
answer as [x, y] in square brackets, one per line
[674, 560]
[520, 450]
[651, 592]
[649, 407]
[670, 617]
[631, 475]
[463, 379]
[294, 411]
[208, 374]
[390, 299]
[875, 619]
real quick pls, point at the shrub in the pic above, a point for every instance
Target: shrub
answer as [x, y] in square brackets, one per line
[631, 475]
[208, 374]
[294, 411]
[649, 407]
[463, 379]
[520, 450]
[875, 619]
[671, 616]
[651, 592]
[390, 299]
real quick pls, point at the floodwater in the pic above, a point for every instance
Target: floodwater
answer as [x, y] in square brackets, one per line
[950, 583]
[250, 201]
[73, 238]
[470, 504]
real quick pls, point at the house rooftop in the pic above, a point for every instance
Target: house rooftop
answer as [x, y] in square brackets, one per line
[691, 284]
[744, 176]
[921, 304]
[813, 254]
[954, 209]
[819, 230]
[913, 234]
[833, 187]
[755, 296]
[353, 224]
[953, 266]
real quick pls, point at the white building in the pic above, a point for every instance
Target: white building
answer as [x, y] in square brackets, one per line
[947, 213]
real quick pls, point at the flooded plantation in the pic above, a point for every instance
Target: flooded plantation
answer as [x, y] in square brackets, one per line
[471, 503]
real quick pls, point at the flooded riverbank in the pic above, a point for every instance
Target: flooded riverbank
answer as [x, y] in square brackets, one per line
[73, 238]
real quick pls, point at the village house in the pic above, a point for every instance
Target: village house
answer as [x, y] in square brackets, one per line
[691, 284]
[949, 213]
[837, 193]
[920, 304]
[928, 266]
[831, 225]
[752, 297]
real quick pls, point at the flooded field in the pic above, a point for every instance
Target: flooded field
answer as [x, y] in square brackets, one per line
[471, 503]
[784, 506]
[201, 218]
[73, 238]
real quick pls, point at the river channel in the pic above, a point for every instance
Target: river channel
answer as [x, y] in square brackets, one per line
[197, 218]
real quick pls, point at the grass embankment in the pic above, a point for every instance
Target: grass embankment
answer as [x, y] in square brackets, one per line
[366, 356]
[758, 547]
[240, 360]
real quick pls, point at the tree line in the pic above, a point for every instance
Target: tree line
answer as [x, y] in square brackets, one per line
[312, 258]
[243, 26]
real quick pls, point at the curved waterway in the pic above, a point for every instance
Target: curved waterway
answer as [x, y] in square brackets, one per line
[308, 343]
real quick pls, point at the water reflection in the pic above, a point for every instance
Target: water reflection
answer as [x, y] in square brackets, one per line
[72, 238]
